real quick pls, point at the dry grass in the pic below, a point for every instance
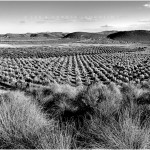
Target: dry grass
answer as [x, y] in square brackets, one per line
[23, 125]
[61, 116]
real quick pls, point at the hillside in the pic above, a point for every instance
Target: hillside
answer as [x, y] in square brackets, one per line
[35, 36]
[108, 32]
[83, 35]
[137, 36]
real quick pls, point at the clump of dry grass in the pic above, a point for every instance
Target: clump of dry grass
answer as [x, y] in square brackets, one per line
[130, 129]
[23, 125]
[58, 100]
[110, 134]
[105, 98]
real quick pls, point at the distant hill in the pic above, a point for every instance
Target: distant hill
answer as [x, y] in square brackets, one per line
[10, 35]
[36, 36]
[84, 35]
[52, 35]
[107, 32]
[137, 36]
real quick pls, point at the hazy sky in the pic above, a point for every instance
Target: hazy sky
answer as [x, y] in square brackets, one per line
[96, 16]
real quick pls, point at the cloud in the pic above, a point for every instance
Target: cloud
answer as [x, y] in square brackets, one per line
[92, 18]
[86, 19]
[106, 26]
[67, 19]
[57, 19]
[95, 18]
[147, 5]
[145, 21]
[22, 22]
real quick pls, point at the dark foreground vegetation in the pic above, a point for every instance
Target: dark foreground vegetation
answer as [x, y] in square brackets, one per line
[64, 117]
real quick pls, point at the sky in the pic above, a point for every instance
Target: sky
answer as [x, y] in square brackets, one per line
[72, 16]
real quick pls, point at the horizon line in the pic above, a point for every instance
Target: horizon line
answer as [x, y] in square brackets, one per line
[73, 31]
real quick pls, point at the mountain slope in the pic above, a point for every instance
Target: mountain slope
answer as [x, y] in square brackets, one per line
[83, 35]
[141, 36]
[36, 36]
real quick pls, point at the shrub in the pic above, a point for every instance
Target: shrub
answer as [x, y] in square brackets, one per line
[106, 99]
[129, 130]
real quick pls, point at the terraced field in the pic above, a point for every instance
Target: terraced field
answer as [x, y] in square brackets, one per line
[36, 66]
